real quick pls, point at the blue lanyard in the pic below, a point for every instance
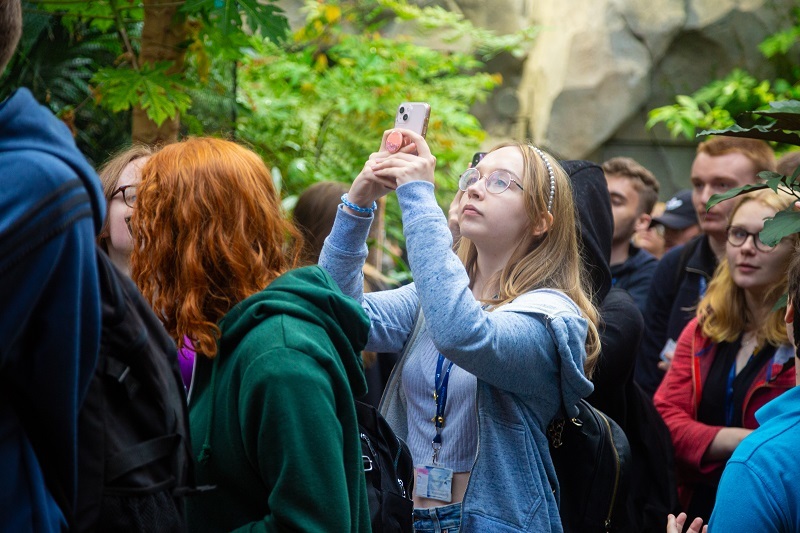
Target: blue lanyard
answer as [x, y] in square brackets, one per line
[440, 395]
[703, 286]
[729, 388]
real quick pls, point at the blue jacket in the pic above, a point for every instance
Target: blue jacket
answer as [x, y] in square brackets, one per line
[759, 487]
[51, 208]
[678, 283]
[513, 486]
[635, 274]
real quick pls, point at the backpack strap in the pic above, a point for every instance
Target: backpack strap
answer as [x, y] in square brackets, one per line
[140, 455]
[121, 372]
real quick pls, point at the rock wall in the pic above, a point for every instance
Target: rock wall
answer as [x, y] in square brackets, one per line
[598, 66]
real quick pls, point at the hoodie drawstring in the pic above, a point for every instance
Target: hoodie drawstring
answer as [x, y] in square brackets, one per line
[205, 451]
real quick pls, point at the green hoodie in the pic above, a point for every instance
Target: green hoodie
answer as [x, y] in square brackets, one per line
[273, 418]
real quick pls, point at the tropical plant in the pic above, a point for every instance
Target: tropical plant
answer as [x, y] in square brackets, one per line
[148, 74]
[317, 105]
[784, 127]
[721, 103]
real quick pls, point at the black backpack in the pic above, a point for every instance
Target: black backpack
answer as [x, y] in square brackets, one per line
[389, 470]
[592, 460]
[134, 458]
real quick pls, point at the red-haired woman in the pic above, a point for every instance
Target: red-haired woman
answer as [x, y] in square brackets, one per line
[271, 406]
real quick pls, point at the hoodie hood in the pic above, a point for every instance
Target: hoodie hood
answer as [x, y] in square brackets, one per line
[311, 295]
[596, 222]
[27, 126]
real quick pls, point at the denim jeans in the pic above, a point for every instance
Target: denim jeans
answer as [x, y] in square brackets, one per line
[446, 519]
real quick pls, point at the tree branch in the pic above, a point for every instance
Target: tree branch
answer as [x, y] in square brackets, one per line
[123, 34]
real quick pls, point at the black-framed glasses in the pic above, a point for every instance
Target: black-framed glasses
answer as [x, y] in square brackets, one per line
[128, 194]
[497, 182]
[737, 237]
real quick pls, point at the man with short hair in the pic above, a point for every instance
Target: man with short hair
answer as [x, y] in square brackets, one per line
[634, 192]
[721, 164]
[679, 220]
[51, 207]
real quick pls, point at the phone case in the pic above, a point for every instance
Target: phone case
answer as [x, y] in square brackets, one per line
[413, 116]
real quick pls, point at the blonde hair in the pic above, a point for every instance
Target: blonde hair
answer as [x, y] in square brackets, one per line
[110, 173]
[723, 313]
[551, 260]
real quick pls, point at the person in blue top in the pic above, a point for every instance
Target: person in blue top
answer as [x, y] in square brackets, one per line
[760, 486]
[494, 339]
[51, 208]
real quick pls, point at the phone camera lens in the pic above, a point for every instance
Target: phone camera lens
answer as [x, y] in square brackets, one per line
[405, 117]
[402, 110]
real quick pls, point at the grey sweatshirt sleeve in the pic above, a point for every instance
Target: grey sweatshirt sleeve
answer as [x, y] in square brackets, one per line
[391, 312]
[510, 350]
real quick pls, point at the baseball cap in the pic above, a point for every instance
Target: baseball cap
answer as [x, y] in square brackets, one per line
[679, 212]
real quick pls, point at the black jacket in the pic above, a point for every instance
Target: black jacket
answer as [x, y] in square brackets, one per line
[652, 493]
[634, 275]
[678, 283]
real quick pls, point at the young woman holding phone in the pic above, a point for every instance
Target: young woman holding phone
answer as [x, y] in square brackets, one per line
[495, 338]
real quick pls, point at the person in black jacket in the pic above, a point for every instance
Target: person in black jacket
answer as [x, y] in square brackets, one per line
[652, 490]
[634, 192]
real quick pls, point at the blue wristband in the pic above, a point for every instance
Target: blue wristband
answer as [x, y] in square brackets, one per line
[358, 208]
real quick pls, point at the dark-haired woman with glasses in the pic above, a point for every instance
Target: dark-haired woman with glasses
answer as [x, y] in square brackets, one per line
[733, 357]
[494, 338]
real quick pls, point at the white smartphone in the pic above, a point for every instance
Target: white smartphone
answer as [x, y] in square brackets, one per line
[413, 116]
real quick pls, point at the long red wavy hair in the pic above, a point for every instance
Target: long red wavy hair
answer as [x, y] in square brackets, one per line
[208, 231]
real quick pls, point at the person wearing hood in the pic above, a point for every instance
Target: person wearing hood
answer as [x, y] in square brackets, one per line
[51, 208]
[494, 340]
[271, 406]
[652, 491]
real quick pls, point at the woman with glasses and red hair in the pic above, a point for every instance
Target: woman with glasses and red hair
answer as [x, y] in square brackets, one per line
[494, 339]
[731, 359]
[271, 407]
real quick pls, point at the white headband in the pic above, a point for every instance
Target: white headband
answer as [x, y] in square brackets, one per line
[552, 177]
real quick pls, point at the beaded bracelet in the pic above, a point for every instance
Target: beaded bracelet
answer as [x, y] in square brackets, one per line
[358, 208]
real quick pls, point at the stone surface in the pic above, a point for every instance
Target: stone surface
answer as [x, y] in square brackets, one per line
[598, 66]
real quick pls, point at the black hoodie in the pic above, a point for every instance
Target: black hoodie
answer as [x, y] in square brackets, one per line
[652, 493]
[621, 322]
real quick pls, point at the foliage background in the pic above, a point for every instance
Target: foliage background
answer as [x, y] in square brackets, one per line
[313, 102]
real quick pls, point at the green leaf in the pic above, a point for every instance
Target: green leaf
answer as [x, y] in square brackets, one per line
[784, 223]
[266, 19]
[782, 302]
[230, 16]
[717, 198]
[766, 133]
[774, 182]
[160, 94]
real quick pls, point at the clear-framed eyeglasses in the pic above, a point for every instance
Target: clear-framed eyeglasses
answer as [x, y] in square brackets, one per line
[738, 236]
[128, 194]
[496, 183]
